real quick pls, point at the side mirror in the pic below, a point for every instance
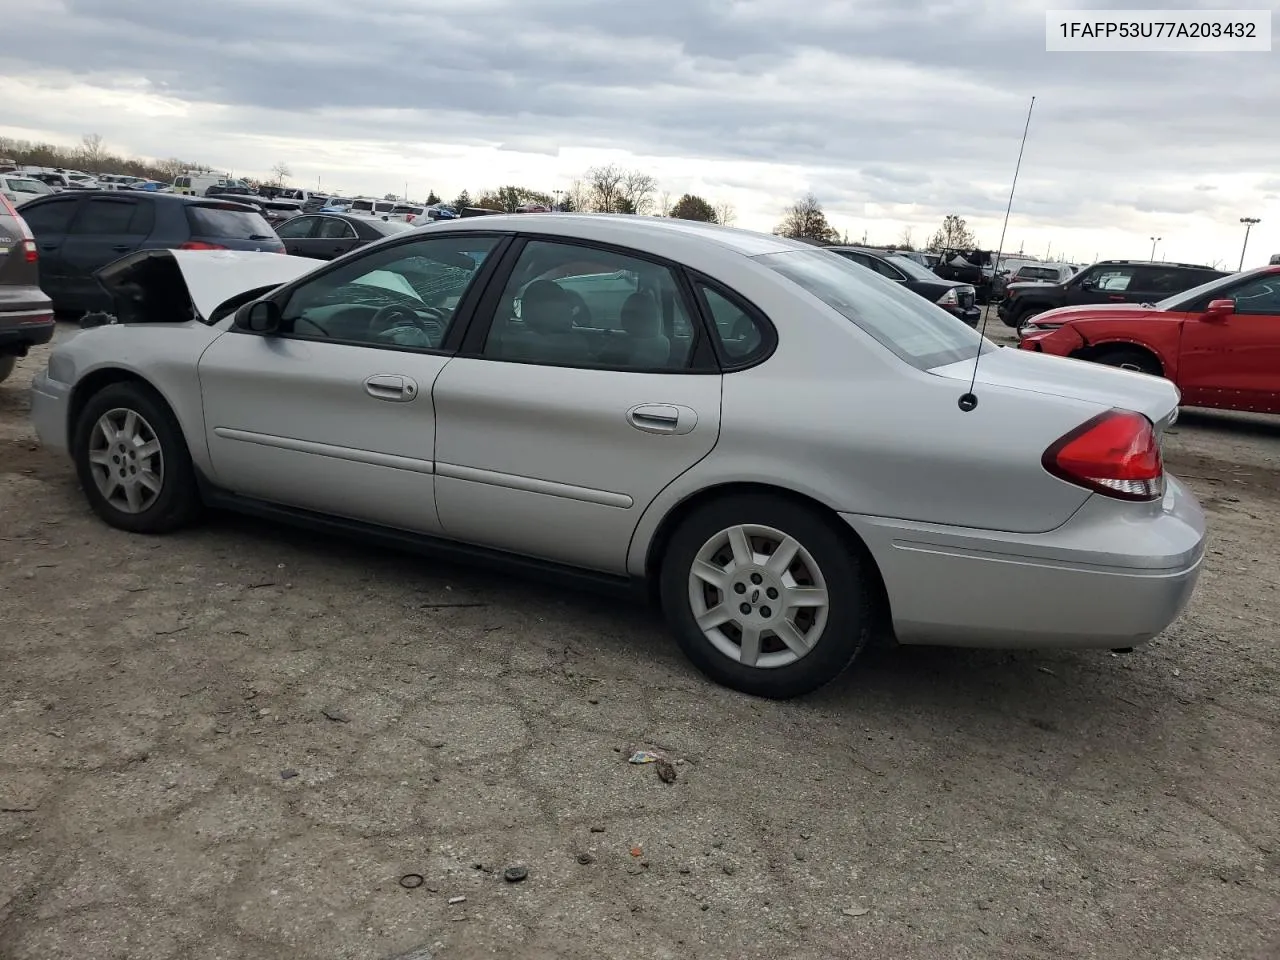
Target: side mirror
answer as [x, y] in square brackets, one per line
[261, 316]
[1219, 310]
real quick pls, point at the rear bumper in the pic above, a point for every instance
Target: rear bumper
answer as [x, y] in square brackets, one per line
[25, 326]
[1107, 578]
[49, 399]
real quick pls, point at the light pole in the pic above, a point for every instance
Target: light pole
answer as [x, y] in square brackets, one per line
[1248, 225]
[1154, 241]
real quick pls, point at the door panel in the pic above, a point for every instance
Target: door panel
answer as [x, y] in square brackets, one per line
[105, 229]
[545, 461]
[293, 422]
[1234, 362]
[50, 221]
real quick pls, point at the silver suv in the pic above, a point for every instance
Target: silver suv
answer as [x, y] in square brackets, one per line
[26, 314]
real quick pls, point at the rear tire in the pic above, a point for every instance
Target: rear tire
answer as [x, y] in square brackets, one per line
[1129, 359]
[132, 461]
[6, 367]
[773, 625]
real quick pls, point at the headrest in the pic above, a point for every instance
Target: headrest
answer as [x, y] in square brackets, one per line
[640, 316]
[546, 308]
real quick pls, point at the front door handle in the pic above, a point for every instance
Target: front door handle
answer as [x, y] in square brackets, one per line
[390, 386]
[665, 418]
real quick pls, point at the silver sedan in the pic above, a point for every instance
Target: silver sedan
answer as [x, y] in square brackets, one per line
[780, 447]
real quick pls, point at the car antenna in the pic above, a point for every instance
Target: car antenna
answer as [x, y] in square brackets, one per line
[969, 400]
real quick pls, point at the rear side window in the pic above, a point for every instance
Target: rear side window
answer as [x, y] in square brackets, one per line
[109, 218]
[742, 336]
[228, 223]
[363, 206]
[50, 218]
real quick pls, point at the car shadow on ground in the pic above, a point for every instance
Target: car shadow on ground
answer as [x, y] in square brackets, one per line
[1228, 421]
[997, 691]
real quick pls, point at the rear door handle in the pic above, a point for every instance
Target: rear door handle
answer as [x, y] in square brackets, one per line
[122, 246]
[390, 386]
[665, 418]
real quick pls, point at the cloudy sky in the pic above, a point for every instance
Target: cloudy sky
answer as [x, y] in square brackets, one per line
[893, 112]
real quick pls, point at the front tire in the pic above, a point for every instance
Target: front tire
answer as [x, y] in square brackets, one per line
[764, 596]
[1128, 359]
[132, 461]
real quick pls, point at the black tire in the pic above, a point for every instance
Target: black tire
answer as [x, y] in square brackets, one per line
[1025, 314]
[178, 502]
[849, 612]
[1130, 359]
[7, 363]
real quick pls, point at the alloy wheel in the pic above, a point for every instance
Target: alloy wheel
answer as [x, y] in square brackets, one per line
[126, 460]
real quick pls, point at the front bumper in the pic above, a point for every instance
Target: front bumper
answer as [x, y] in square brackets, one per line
[1112, 576]
[49, 400]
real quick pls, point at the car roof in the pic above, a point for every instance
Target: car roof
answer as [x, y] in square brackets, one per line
[128, 195]
[625, 230]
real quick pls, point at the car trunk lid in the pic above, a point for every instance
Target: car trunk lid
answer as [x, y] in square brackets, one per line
[1154, 397]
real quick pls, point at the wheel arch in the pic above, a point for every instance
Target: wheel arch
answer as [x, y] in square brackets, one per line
[882, 619]
[1095, 350]
[95, 381]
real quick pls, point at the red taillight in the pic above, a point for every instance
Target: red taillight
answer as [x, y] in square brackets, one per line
[29, 252]
[200, 245]
[1115, 454]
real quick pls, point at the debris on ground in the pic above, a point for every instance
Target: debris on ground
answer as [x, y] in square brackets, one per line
[336, 715]
[453, 900]
[288, 774]
[585, 859]
[597, 829]
[856, 911]
[515, 874]
[411, 880]
[645, 756]
[637, 852]
[666, 771]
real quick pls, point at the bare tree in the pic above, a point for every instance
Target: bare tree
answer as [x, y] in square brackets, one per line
[664, 203]
[804, 220]
[280, 172]
[637, 192]
[92, 150]
[604, 185]
[904, 239]
[577, 199]
[725, 214]
[954, 234]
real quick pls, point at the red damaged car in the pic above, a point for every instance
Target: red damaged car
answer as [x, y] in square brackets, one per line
[1218, 342]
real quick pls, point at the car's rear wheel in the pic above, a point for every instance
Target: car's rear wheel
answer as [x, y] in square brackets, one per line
[7, 363]
[132, 461]
[765, 596]
[1129, 359]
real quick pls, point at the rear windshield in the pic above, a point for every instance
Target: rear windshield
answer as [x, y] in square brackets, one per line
[406, 208]
[228, 223]
[919, 332]
[361, 204]
[1037, 273]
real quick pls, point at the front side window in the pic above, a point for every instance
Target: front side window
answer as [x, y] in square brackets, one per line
[333, 229]
[406, 296]
[1110, 279]
[917, 331]
[572, 305]
[1260, 297]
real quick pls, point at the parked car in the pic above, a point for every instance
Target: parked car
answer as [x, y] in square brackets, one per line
[19, 189]
[26, 313]
[1030, 273]
[325, 236]
[81, 231]
[958, 299]
[197, 184]
[275, 212]
[369, 207]
[975, 267]
[1219, 342]
[766, 438]
[1108, 281]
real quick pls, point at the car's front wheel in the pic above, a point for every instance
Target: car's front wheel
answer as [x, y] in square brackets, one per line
[764, 596]
[132, 460]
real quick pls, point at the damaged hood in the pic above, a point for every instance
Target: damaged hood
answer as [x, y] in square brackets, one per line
[148, 278]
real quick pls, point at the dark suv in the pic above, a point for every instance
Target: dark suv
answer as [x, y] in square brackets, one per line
[26, 315]
[78, 233]
[1108, 281]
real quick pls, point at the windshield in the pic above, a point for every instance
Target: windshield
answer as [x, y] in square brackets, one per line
[1196, 293]
[917, 331]
[912, 269]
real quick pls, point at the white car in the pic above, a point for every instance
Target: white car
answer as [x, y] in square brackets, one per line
[780, 446]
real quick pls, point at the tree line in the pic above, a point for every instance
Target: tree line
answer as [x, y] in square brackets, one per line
[602, 189]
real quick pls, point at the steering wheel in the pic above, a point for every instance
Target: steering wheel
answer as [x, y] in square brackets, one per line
[397, 313]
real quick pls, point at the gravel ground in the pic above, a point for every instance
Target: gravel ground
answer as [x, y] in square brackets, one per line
[234, 742]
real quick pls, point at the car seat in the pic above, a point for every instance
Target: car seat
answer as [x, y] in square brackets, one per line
[546, 330]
